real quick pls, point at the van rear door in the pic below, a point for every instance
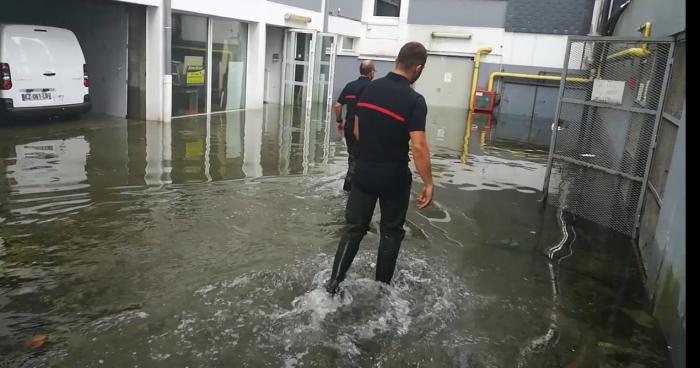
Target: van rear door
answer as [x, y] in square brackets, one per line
[46, 65]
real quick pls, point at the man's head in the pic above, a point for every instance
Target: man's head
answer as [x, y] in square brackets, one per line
[367, 69]
[411, 60]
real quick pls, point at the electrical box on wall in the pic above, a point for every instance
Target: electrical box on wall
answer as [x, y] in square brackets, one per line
[484, 100]
[482, 120]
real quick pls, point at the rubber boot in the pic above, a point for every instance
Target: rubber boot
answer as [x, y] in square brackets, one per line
[347, 249]
[389, 246]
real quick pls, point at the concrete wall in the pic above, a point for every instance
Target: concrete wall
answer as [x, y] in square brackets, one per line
[665, 259]
[669, 287]
[104, 38]
[469, 13]
[344, 8]
[667, 17]
[273, 69]
[304, 4]
[539, 50]
[445, 81]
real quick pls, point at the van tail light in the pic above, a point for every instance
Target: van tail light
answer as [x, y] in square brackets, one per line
[5, 76]
[86, 81]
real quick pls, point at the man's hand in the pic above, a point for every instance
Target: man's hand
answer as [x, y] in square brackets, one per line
[426, 197]
[421, 157]
[341, 127]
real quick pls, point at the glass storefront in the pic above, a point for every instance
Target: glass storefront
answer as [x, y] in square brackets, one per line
[229, 46]
[189, 64]
[208, 64]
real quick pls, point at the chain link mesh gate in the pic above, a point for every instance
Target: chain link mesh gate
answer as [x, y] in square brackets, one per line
[609, 107]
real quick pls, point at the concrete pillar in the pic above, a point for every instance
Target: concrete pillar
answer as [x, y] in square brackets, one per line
[154, 64]
[255, 66]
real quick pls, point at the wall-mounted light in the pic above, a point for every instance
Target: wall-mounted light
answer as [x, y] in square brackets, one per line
[297, 18]
[464, 36]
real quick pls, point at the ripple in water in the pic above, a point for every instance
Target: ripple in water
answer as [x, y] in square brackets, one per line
[284, 317]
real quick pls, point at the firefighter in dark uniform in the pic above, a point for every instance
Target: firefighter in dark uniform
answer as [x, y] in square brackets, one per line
[389, 115]
[348, 97]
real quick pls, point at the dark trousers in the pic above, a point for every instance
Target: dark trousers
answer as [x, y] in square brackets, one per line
[390, 184]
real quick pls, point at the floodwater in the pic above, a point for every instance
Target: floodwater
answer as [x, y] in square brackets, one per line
[206, 242]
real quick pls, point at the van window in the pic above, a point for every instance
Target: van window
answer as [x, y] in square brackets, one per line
[31, 49]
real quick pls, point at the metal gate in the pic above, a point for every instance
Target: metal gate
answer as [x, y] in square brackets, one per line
[608, 111]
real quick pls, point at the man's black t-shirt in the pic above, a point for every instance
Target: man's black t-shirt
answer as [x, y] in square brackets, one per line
[388, 110]
[348, 97]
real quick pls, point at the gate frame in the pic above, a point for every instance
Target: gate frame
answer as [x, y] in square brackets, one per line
[657, 118]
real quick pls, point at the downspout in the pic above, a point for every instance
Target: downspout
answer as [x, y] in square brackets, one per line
[595, 18]
[475, 73]
[167, 64]
[324, 9]
[614, 17]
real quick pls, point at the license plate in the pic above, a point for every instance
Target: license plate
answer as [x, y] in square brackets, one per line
[38, 96]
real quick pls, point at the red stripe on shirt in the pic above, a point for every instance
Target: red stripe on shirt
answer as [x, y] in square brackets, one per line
[382, 110]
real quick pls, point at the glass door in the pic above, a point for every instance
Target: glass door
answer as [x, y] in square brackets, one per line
[299, 52]
[324, 64]
[322, 96]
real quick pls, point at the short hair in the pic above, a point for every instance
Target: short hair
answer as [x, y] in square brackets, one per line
[366, 67]
[412, 54]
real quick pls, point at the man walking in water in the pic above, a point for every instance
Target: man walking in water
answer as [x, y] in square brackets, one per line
[389, 114]
[349, 96]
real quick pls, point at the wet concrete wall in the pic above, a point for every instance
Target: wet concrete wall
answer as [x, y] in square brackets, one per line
[663, 227]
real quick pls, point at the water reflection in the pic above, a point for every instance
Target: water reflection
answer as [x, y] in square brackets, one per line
[87, 159]
[56, 165]
[206, 242]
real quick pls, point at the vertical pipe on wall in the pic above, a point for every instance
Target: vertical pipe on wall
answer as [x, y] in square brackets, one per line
[475, 73]
[595, 18]
[324, 12]
[210, 52]
[167, 56]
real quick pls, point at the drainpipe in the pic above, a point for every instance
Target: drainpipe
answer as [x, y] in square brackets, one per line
[475, 73]
[638, 52]
[324, 9]
[167, 65]
[595, 18]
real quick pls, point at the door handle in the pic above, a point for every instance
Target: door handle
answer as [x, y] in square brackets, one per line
[49, 74]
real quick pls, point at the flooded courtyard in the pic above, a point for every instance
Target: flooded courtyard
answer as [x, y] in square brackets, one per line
[206, 242]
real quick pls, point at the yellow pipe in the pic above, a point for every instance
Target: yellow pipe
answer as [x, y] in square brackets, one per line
[475, 73]
[638, 52]
[492, 78]
[467, 138]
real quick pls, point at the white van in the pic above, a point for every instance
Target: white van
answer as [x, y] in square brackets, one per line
[42, 72]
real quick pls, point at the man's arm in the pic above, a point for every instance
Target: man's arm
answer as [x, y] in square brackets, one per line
[356, 128]
[421, 152]
[421, 157]
[338, 107]
[338, 114]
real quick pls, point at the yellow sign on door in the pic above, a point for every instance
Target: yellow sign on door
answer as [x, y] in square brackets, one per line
[195, 75]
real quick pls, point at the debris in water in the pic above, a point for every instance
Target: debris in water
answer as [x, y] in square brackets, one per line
[37, 341]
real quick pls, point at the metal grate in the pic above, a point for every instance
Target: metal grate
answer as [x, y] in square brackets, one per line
[608, 115]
